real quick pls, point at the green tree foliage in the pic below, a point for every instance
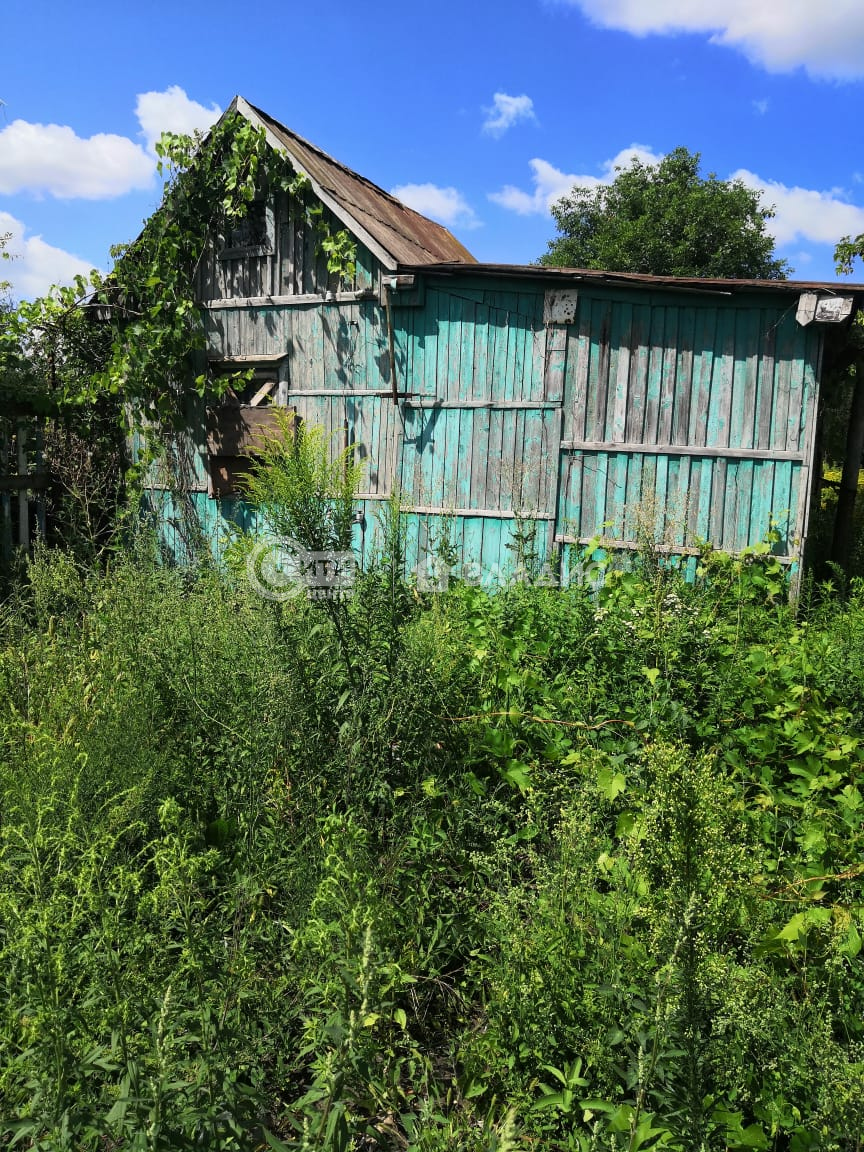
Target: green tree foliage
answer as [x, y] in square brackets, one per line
[848, 250]
[667, 220]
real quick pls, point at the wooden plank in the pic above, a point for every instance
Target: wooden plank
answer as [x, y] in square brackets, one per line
[702, 526]
[234, 431]
[781, 504]
[556, 361]
[23, 499]
[414, 401]
[728, 531]
[633, 496]
[751, 353]
[600, 481]
[635, 546]
[722, 382]
[616, 504]
[449, 365]
[441, 440]
[706, 329]
[654, 370]
[797, 494]
[672, 501]
[428, 383]
[694, 499]
[513, 461]
[252, 358]
[668, 375]
[785, 338]
[796, 419]
[288, 277]
[683, 376]
[678, 450]
[612, 375]
[493, 463]
[683, 494]
[533, 358]
[765, 381]
[599, 376]
[760, 501]
[539, 357]
[621, 399]
[550, 488]
[638, 384]
[5, 498]
[718, 500]
[476, 352]
[811, 408]
[660, 497]
[747, 533]
[576, 377]
[447, 510]
[521, 327]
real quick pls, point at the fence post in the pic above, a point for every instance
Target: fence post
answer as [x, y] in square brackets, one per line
[5, 500]
[23, 496]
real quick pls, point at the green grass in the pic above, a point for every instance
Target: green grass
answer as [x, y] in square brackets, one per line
[558, 870]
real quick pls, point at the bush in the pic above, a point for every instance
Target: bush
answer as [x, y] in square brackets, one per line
[566, 869]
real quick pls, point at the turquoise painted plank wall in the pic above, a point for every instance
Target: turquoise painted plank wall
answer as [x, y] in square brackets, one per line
[652, 414]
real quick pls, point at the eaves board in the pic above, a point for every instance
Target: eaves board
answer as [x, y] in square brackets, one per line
[245, 109]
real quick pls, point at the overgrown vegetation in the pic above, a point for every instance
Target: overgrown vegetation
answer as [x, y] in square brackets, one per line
[540, 869]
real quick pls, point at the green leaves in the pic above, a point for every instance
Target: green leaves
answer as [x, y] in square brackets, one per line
[668, 220]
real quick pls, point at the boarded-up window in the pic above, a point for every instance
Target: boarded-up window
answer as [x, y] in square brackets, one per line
[252, 234]
[234, 433]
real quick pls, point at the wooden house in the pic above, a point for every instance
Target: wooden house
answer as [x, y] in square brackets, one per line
[497, 399]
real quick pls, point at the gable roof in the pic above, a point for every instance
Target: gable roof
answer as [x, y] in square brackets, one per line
[394, 233]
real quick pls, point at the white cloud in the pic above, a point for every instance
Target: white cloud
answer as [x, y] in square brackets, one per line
[780, 35]
[172, 111]
[550, 183]
[36, 265]
[507, 111]
[52, 159]
[760, 106]
[804, 213]
[446, 205]
[801, 214]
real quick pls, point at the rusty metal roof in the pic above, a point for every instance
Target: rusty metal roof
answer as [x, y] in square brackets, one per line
[396, 234]
[640, 279]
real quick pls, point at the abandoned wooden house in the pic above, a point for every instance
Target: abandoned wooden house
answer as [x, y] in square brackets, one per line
[491, 397]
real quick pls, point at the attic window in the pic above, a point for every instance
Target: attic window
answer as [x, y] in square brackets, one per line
[250, 235]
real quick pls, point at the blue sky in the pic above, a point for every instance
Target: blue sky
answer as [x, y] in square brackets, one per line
[477, 113]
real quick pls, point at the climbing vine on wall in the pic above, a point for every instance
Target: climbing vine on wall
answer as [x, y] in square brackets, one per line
[151, 294]
[145, 310]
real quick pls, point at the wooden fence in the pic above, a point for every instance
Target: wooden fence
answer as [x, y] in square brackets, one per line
[22, 483]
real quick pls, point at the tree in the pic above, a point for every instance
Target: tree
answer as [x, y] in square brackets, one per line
[668, 220]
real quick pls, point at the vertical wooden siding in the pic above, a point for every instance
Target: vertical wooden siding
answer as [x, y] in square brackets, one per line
[294, 266]
[651, 383]
[652, 414]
